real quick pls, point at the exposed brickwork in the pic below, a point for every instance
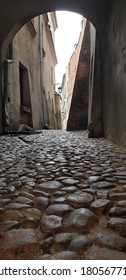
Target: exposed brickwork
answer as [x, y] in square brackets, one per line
[78, 116]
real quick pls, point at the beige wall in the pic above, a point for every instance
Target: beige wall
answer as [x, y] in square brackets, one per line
[41, 74]
[49, 63]
[25, 50]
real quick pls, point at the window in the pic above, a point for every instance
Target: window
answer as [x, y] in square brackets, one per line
[24, 89]
[10, 52]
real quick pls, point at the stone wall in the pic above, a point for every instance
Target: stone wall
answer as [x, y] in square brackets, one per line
[114, 75]
[95, 118]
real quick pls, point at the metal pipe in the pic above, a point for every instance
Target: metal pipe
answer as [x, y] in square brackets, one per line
[41, 63]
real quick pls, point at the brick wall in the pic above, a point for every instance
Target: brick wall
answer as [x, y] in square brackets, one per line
[78, 116]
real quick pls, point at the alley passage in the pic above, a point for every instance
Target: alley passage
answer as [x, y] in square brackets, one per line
[62, 196]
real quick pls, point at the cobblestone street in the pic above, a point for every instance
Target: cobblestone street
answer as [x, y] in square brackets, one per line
[62, 196]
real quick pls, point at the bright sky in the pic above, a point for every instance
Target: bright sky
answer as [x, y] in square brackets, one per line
[66, 36]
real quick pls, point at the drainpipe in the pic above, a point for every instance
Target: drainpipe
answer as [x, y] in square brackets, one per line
[41, 63]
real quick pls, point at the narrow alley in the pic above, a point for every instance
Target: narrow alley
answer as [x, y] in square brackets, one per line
[62, 196]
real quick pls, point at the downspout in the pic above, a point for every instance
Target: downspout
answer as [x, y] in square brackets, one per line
[41, 63]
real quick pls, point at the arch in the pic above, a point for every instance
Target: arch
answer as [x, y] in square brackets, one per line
[15, 13]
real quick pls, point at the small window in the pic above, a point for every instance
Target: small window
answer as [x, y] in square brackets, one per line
[10, 52]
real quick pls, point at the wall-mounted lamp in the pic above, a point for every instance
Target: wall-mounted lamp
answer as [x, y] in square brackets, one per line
[58, 89]
[9, 61]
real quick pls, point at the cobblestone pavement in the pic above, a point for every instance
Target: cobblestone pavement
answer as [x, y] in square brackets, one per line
[62, 196]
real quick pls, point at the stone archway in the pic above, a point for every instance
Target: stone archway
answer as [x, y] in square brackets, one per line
[14, 14]
[109, 19]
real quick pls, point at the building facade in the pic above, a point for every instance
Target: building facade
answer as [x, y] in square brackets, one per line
[29, 76]
[64, 101]
[78, 114]
[75, 88]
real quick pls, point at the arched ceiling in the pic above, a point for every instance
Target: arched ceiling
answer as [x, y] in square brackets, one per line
[14, 13]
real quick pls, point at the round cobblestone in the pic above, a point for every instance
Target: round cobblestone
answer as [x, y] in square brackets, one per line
[50, 224]
[48, 182]
[80, 243]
